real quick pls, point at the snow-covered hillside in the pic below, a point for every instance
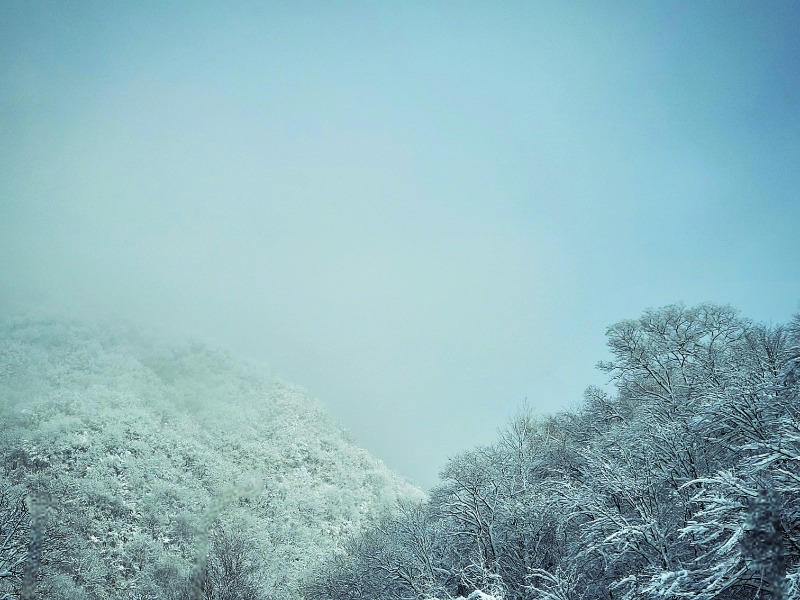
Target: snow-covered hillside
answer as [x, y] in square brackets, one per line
[132, 439]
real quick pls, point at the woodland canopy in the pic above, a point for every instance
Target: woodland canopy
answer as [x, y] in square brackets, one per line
[123, 475]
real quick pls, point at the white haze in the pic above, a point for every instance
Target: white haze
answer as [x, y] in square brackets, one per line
[422, 213]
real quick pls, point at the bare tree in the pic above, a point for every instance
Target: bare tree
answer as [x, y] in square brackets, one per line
[14, 536]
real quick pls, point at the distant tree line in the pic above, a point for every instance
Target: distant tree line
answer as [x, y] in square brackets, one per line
[684, 482]
[126, 471]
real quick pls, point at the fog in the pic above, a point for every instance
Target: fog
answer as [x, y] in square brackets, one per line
[423, 213]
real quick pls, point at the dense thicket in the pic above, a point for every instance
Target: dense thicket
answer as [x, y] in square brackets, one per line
[682, 483]
[125, 466]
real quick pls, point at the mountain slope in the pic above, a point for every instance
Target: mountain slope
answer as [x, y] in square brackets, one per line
[133, 439]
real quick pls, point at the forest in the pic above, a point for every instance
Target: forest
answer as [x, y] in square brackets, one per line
[139, 470]
[683, 482]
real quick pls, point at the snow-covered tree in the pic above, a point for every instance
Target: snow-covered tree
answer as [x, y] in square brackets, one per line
[14, 536]
[684, 482]
[133, 438]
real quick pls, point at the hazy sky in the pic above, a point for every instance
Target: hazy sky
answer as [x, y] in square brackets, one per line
[423, 212]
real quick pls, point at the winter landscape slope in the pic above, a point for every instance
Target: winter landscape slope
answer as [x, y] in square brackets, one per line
[131, 440]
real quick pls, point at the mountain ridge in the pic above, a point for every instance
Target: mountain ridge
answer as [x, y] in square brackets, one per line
[133, 437]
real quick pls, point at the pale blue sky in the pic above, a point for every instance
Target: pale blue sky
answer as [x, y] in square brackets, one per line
[423, 212]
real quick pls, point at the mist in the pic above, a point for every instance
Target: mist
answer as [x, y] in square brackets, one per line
[425, 214]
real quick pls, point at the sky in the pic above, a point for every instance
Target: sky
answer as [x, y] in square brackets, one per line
[425, 213]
